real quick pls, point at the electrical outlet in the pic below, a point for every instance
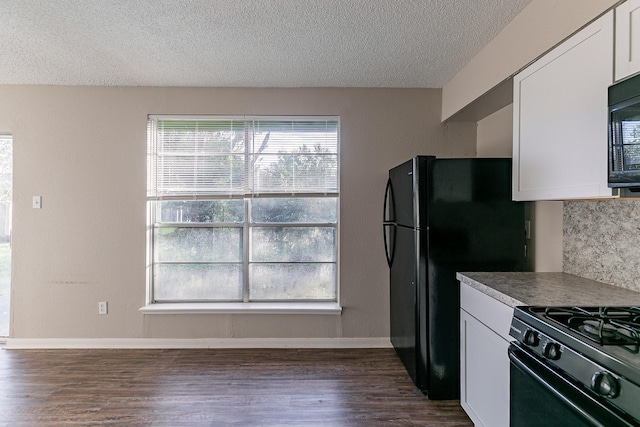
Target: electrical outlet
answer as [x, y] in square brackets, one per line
[102, 307]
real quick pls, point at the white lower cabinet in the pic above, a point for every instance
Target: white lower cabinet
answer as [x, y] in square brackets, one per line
[484, 363]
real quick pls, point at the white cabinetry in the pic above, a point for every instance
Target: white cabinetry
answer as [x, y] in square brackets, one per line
[560, 119]
[627, 39]
[484, 363]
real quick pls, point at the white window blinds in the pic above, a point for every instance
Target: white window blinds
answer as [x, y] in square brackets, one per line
[192, 157]
[290, 156]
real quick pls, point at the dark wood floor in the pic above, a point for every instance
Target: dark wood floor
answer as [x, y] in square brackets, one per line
[309, 387]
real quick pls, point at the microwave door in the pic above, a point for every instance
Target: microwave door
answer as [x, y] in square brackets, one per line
[624, 148]
[630, 141]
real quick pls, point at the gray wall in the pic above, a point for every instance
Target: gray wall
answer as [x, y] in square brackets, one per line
[83, 149]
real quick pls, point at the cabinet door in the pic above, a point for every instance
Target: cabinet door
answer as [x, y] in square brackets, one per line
[627, 39]
[484, 373]
[560, 119]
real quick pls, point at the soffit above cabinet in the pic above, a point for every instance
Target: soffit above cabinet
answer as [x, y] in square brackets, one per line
[533, 32]
[495, 99]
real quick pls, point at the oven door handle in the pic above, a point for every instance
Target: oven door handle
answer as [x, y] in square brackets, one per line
[533, 367]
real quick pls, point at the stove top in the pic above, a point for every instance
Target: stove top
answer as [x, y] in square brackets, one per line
[607, 326]
[609, 336]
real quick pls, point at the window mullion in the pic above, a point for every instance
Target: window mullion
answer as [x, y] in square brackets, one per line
[151, 220]
[248, 173]
[245, 253]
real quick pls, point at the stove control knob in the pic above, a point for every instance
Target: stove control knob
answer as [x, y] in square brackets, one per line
[605, 384]
[531, 338]
[551, 350]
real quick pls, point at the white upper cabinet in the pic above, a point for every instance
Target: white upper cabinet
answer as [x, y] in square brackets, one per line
[627, 39]
[560, 119]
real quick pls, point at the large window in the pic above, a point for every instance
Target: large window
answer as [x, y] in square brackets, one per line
[242, 209]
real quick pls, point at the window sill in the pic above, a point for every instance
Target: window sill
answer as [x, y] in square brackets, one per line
[244, 308]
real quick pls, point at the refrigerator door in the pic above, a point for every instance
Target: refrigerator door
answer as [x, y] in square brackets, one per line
[402, 184]
[408, 184]
[405, 326]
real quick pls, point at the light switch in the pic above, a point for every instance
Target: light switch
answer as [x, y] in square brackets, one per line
[37, 202]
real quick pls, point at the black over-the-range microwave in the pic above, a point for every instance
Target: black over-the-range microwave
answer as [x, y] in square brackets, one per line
[624, 134]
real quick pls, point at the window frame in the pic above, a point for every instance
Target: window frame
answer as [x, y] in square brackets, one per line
[153, 305]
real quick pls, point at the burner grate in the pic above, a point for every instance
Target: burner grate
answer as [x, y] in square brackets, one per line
[602, 325]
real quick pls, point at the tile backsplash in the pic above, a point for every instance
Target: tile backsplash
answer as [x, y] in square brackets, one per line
[601, 241]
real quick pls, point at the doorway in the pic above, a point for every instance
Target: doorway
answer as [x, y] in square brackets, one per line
[6, 185]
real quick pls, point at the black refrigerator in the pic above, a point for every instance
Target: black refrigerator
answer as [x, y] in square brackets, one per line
[442, 216]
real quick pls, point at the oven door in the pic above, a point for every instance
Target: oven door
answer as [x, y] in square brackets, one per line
[541, 397]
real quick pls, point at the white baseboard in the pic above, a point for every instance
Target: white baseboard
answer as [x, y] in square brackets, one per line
[147, 343]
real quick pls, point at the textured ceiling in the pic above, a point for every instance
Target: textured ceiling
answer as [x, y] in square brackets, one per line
[245, 43]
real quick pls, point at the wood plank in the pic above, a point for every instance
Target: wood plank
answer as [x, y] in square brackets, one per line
[244, 387]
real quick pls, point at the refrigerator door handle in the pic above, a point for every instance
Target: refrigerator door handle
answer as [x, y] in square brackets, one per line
[388, 223]
[389, 204]
[389, 253]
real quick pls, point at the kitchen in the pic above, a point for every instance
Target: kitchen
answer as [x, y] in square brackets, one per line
[555, 113]
[78, 248]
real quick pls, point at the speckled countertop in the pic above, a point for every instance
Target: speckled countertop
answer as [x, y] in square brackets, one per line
[549, 289]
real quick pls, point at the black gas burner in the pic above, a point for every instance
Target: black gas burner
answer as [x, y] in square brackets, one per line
[598, 328]
[619, 326]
